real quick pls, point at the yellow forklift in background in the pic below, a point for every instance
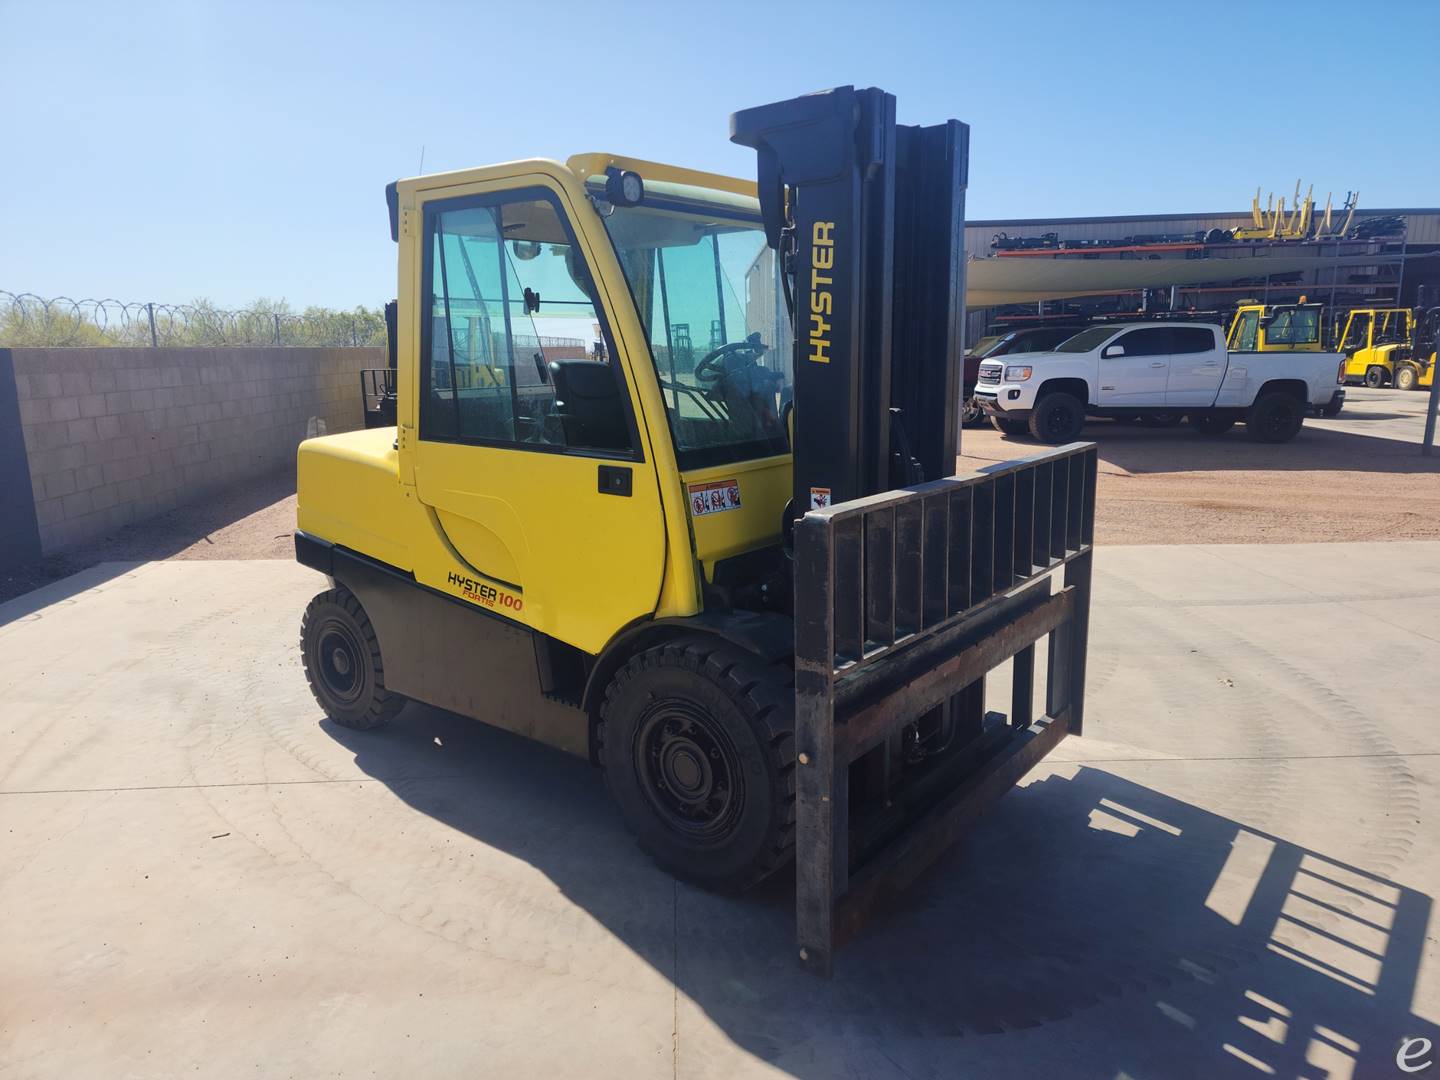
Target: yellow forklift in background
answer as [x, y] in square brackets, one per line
[1298, 327]
[1413, 366]
[738, 576]
[1371, 339]
[1258, 327]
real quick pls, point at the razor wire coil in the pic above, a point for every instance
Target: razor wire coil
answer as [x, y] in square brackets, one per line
[30, 319]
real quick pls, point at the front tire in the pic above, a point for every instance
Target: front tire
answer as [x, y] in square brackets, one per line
[1212, 423]
[698, 748]
[1375, 377]
[341, 657]
[1405, 378]
[1057, 418]
[1275, 417]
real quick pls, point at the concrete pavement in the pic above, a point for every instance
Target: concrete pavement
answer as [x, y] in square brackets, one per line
[1385, 414]
[1233, 871]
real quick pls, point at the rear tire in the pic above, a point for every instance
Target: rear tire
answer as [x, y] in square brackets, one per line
[1008, 427]
[1375, 377]
[697, 743]
[341, 657]
[1276, 417]
[1212, 423]
[1057, 418]
[1405, 377]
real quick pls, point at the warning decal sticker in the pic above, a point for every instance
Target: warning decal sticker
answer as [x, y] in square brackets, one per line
[819, 498]
[715, 497]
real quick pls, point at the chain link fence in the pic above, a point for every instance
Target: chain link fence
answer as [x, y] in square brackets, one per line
[30, 320]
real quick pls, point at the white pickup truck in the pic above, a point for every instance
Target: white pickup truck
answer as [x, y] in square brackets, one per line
[1156, 373]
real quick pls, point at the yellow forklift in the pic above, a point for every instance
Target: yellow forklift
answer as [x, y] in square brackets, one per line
[1371, 340]
[1257, 327]
[1413, 366]
[733, 571]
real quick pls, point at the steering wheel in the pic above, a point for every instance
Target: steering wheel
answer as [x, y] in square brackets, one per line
[711, 367]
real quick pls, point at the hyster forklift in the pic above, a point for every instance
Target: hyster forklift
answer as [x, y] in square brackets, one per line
[1413, 366]
[1371, 340]
[720, 553]
[1257, 327]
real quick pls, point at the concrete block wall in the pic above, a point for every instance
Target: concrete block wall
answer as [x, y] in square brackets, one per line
[113, 435]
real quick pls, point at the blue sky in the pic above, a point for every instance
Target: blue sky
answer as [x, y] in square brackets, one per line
[233, 151]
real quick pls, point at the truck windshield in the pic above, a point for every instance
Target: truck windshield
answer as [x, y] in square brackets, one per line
[707, 291]
[1089, 339]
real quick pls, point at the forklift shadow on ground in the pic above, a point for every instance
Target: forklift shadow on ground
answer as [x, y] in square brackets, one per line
[1161, 939]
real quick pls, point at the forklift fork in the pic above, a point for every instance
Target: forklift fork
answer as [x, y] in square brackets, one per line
[904, 601]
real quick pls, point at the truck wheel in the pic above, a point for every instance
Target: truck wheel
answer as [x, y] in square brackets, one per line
[1375, 377]
[1212, 423]
[1405, 378]
[697, 744]
[1275, 417]
[1008, 427]
[341, 657]
[1057, 418]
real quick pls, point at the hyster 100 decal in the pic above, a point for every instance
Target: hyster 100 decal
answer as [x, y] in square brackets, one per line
[485, 594]
[822, 269]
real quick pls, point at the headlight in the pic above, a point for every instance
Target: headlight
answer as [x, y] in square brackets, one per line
[1018, 373]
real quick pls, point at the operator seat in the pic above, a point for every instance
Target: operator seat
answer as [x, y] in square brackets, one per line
[587, 399]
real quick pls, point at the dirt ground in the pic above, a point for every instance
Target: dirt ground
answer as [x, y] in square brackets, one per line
[1174, 486]
[252, 521]
[1168, 486]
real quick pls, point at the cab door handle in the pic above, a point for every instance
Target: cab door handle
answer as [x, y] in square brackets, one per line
[615, 480]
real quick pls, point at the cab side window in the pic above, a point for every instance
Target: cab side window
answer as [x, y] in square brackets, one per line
[1150, 341]
[1246, 332]
[1357, 334]
[513, 350]
[1191, 339]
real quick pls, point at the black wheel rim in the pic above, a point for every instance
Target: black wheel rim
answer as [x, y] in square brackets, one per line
[1279, 419]
[340, 661]
[1057, 421]
[689, 771]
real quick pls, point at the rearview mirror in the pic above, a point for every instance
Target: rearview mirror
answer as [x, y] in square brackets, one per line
[1112, 350]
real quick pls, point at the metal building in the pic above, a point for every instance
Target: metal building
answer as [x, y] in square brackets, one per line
[1404, 243]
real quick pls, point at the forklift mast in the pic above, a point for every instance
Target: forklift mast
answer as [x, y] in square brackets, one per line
[911, 584]
[868, 218]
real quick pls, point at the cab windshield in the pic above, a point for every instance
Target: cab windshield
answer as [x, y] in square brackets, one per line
[707, 291]
[1294, 326]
